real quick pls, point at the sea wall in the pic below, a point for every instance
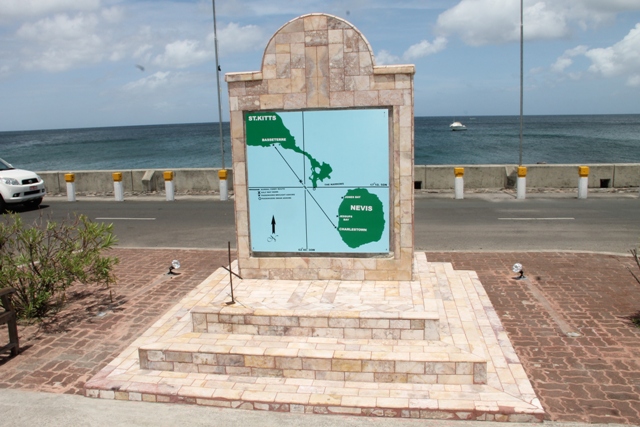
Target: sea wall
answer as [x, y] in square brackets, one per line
[538, 176]
[137, 180]
[439, 177]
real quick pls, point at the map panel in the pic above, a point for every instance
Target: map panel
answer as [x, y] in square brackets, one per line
[318, 181]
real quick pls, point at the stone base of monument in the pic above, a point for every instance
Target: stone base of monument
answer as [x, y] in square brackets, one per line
[429, 348]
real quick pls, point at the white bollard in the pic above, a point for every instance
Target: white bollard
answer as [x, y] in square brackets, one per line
[168, 186]
[522, 182]
[118, 187]
[224, 189]
[583, 182]
[459, 183]
[70, 178]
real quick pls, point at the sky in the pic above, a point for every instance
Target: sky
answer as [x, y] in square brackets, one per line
[94, 63]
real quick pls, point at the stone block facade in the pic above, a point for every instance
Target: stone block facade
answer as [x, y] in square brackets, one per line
[315, 62]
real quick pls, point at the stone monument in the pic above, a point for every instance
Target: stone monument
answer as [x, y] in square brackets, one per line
[322, 142]
[335, 313]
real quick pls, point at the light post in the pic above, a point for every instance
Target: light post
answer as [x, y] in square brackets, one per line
[521, 75]
[222, 173]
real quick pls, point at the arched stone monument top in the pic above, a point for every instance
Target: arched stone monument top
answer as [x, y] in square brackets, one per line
[319, 60]
[319, 29]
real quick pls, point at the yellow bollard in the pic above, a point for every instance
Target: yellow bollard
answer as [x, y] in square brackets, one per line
[224, 188]
[522, 182]
[118, 187]
[583, 182]
[459, 183]
[168, 185]
[70, 179]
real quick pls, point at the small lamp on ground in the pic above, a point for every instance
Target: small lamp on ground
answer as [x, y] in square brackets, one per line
[175, 264]
[517, 268]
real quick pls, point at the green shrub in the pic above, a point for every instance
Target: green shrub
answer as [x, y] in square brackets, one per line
[42, 260]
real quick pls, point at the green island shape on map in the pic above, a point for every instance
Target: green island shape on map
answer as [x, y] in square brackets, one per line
[266, 129]
[361, 218]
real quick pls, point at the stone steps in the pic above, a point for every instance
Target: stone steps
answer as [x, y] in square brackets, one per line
[265, 355]
[305, 396]
[316, 358]
[406, 325]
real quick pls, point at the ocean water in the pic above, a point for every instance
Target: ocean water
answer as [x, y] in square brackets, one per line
[488, 140]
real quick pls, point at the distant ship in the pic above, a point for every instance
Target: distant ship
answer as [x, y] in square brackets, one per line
[457, 126]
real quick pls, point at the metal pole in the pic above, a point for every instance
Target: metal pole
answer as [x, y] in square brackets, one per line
[215, 38]
[222, 174]
[521, 75]
[233, 300]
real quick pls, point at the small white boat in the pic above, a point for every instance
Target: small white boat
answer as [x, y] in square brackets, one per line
[457, 126]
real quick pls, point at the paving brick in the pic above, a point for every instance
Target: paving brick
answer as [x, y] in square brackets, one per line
[142, 294]
[592, 293]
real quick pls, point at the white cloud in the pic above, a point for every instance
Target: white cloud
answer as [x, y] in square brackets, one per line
[542, 21]
[418, 50]
[183, 54]
[149, 83]
[112, 15]
[621, 59]
[565, 61]
[235, 38]
[231, 39]
[425, 48]
[160, 86]
[481, 22]
[634, 80]
[611, 5]
[25, 8]
[60, 27]
[561, 64]
[60, 42]
[385, 58]
[142, 52]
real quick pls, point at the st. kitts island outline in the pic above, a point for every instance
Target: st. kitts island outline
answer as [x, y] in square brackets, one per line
[271, 124]
[361, 214]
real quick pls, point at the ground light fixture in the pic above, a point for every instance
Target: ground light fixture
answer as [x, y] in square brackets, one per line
[175, 264]
[517, 268]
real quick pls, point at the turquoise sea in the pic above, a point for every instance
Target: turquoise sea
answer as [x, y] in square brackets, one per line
[488, 140]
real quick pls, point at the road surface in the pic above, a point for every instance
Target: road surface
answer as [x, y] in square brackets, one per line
[482, 223]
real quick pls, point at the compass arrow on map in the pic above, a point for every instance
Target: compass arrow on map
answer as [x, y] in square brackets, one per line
[273, 225]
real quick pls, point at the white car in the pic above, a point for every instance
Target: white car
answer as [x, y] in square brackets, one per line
[19, 186]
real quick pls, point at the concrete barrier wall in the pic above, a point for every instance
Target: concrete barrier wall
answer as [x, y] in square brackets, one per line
[627, 175]
[566, 176]
[425, 177]
[538, 176]
[139, 181]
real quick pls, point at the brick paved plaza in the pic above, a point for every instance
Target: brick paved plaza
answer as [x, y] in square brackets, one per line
[594, 377]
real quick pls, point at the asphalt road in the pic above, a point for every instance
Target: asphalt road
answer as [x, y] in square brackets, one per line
[479, 223]
[604, 224]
